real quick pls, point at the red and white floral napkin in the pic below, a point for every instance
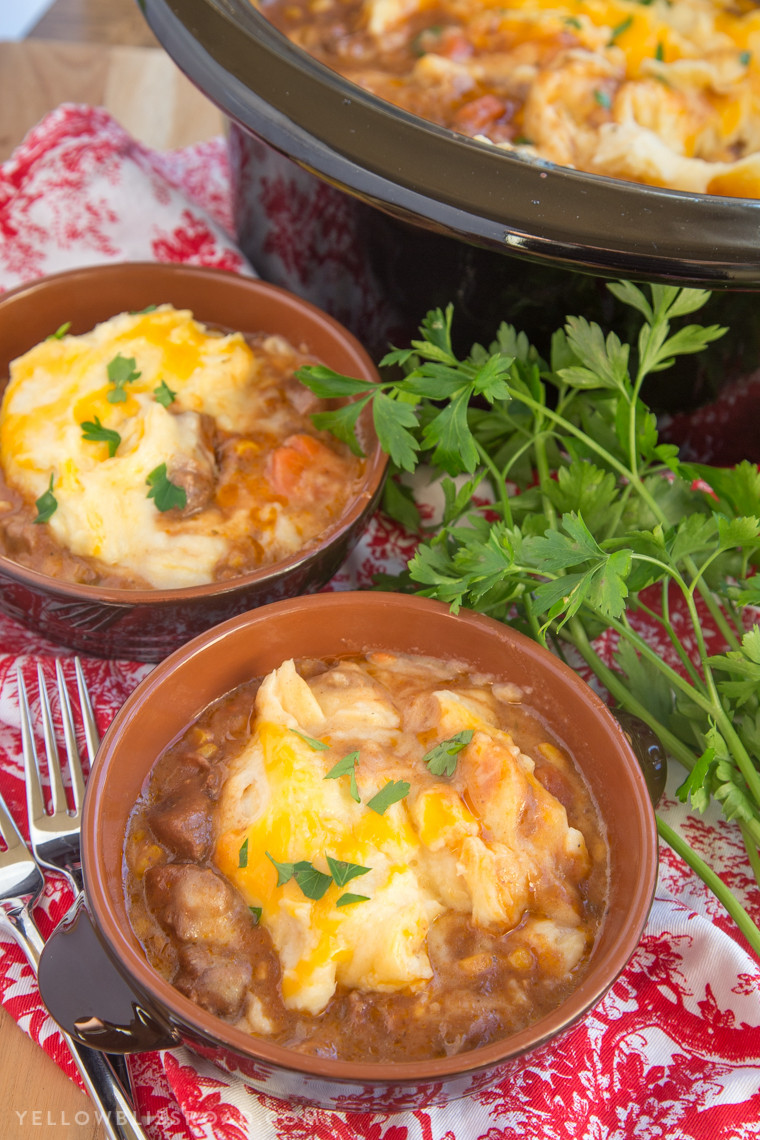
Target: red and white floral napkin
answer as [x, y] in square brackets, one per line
[673, 1051]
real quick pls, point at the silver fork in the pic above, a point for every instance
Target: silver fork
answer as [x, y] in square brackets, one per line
[21, 884]
[55, 838]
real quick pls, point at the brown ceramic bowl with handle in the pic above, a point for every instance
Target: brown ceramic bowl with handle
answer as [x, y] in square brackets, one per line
[94, 976]
[146, 625]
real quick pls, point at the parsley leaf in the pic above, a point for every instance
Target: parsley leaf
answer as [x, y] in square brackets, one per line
[587, 510]
[121, 371]
[618, 30]
[94, 430]
[165, 494]
[256, 913]
[392, 793]
[346, 767]
[164, 394]
[442, 760]
[243, 854]
[313, 883]
[60, 332]
[348, 899]
[313, 743]
[46, 504]
[342, 872]
[284, 870]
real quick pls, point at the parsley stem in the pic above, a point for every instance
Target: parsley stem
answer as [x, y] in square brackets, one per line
[715, 611]
[569, 427]
[713, 881]
[713, 708]
[544, 478]
[499, 481]
[576, 634]
[663, 619]
[750, 843]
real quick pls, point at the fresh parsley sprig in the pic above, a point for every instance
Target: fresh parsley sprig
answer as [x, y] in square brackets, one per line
[392, 792]
[93, 430]
[314, 884]
[594, 520]
[346, 767]
[46, 504]
[442, 760]
[121, 370]
[165, 494]
[438, 375]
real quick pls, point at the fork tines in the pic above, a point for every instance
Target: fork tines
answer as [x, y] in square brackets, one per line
[64, 820]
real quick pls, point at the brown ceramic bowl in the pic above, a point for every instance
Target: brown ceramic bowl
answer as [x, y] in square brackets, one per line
[136, 1009]
[146, 625]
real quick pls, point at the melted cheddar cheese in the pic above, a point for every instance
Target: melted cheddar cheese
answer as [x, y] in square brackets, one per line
[488, 841]
[218, 413]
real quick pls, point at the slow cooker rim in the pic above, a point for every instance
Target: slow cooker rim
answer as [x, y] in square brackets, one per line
[353, 139]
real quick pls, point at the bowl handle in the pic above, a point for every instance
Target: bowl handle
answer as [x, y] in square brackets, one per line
[89, 997]
[648, 750]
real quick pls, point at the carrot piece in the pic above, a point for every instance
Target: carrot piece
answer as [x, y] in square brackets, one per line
[302, 468]
[479, 114]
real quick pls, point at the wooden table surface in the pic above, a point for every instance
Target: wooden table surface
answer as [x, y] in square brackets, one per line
[98, 52]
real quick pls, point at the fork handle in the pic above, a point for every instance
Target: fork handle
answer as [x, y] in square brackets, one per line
[114, 1108]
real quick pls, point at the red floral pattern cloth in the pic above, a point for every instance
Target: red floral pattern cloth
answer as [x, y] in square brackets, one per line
[671, 1053]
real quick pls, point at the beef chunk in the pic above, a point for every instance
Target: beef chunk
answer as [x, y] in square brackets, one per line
[182, 822]
[214, 978]
[198, 482]
[195, 904]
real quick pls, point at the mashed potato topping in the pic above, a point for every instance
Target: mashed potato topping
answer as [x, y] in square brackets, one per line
[489, 841]
[661, 92]
[372, 857]
[167, 451]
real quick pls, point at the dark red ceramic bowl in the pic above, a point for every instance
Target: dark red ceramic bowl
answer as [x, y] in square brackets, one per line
[94, 976]
[146, 625]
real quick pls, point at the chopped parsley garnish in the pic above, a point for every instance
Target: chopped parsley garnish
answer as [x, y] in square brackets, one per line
[164, 394]
[348, 899]
[603, 99]
[618, 30]
[346, 767]
[313, 883]
[164, 493]
[243, 854]
[573, 22]
[317, 745]
[47, 504]
[419, 45]
[256, 912]
[139, 312]
[393, 791]
[60, 332]
[522, 140]
[442, 760]
[659, 52]
[343, 873]
[745, 58]
[121, 371]
[284, 870]
[94, 430]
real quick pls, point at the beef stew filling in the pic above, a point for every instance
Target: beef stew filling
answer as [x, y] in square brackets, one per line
[380, 858]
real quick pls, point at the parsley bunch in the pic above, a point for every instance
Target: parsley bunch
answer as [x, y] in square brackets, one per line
[593, 520]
